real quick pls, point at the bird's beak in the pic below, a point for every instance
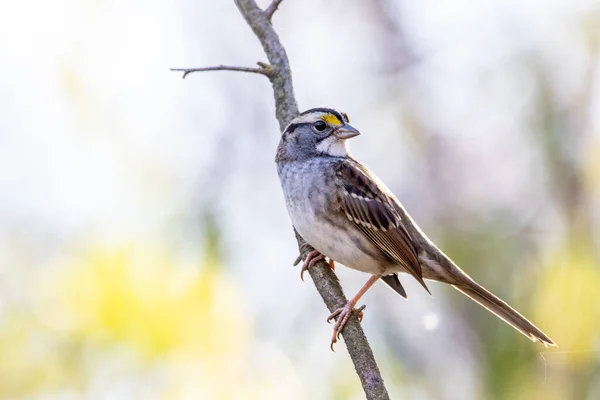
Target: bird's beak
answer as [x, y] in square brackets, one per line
[346, 131]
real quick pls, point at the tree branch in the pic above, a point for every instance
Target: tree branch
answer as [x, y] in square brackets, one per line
[272, 8]
[324, 278]
[281, 78]
[264, 70]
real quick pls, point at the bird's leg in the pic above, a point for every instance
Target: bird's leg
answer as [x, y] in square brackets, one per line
[343, 314]
[311, 258]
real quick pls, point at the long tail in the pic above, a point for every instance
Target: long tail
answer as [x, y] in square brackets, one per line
[487, 299]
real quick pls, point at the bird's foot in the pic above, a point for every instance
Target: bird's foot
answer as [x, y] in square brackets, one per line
[342, 315]
[310, 259]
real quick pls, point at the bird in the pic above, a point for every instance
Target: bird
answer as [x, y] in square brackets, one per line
[346, 214]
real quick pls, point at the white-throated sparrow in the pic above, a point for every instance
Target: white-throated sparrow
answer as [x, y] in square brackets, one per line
[346, 213]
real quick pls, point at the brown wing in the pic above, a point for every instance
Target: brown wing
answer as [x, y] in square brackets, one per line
[375, 214]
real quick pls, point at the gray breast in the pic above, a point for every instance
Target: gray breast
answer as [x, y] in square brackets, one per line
[309, 195]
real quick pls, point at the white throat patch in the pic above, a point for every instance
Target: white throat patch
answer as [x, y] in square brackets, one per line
[333, 147]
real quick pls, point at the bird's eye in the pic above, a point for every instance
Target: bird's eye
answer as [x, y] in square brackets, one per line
[320, 126]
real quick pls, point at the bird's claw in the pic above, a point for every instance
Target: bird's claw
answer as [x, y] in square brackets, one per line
[343, 315]
[310, 259]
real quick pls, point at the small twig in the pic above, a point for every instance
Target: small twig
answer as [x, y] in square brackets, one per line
[264, 70]
[272, 8]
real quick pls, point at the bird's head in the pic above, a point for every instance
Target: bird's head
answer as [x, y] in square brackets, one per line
[316, 132]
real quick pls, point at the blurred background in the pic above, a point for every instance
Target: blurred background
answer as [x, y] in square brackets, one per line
[145, 249]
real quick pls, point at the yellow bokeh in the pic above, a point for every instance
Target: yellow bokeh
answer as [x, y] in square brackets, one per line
[534, 385]
[142, 315]
[568, 305]
[142, 299]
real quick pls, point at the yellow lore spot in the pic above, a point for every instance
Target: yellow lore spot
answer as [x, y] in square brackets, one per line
[332, 119]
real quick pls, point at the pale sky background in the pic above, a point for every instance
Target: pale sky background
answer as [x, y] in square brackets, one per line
[101, 144]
